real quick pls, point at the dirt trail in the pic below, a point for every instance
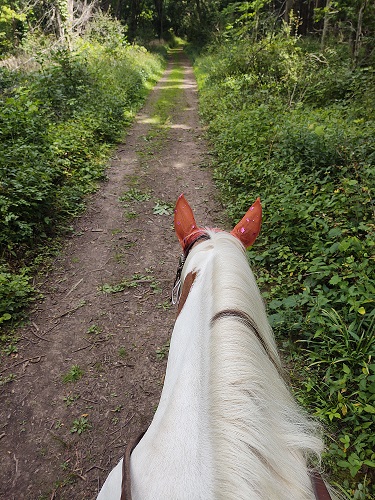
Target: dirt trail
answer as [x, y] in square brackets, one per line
[115, 343]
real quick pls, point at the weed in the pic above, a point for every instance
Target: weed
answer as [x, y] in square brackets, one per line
[70, 399]
[65, 465]
[134, 281]
[119, 257]
[74, 374]
[155, 287]
[122, 352]
[166, 305]
[94, 329]
[80, 425]
[131, 214]
[98, 367]
[162, 352]
[129, 244]
[5, 380]
[58, 424]
[107, 288]
[134, 194]
[11, 349]
[162, 208]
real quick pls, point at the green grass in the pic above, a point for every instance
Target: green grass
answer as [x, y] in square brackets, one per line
[74, 374]
[162, 110]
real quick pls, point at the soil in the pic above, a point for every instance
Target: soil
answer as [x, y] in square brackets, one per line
[106, 318]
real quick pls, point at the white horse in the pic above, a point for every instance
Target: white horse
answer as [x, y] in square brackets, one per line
[226, 426]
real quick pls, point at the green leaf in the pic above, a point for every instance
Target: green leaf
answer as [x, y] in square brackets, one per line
[319, 130]
[162, 209]
[335, 279]
[369, 408]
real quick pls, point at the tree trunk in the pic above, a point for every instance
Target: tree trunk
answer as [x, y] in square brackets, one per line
[325, 25]
[64, 20]
[159, 9]
[288, 8]
[358, 35]
[60, 25]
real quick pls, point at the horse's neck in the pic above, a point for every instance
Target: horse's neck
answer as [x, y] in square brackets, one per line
[174, 459]
[226, 426]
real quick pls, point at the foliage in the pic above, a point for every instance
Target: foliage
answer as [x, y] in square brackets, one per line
[295, 127]
[80, 425]
[11, 24]
[106, 31]
[15, 292]
[56, 127]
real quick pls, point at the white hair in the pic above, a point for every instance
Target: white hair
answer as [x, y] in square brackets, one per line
[227, 426]
[261, 438]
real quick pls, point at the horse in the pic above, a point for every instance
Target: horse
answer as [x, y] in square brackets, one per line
[227, 426]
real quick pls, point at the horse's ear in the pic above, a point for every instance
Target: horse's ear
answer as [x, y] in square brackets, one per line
[248, 228]
[184, 222]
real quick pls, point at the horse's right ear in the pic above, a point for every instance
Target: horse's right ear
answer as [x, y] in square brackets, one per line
[184, 221]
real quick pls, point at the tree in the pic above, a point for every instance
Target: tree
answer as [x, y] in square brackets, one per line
[326, 23]
[12, 20]
[288, 8]
[359, 32]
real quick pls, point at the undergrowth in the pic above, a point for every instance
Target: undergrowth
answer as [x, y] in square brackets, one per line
[296, 127]
[57, 127]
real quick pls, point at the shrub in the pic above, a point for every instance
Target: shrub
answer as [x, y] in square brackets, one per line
[289, 125]
[57, 125]
[15, 293]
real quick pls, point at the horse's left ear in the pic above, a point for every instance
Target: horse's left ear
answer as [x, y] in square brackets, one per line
[248, 228]
[184, 221]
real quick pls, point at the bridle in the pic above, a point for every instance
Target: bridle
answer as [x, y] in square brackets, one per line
[176, 290]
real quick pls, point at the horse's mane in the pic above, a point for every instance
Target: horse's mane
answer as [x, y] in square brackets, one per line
[261, 438]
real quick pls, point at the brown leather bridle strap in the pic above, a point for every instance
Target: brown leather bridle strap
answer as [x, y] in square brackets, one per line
[126, 492]
[319, 487]
[176, 291]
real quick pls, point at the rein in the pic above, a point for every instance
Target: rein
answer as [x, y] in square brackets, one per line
[126, 492]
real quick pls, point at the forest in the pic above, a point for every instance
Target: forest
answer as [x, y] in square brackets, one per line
[287, 94]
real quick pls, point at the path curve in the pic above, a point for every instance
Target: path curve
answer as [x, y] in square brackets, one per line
[119, 340]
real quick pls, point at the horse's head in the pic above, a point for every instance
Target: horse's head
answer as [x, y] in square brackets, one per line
[188, 232]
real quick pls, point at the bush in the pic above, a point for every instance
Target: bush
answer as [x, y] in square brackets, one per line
[15, 293]
[57, 125]
[289, 125]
